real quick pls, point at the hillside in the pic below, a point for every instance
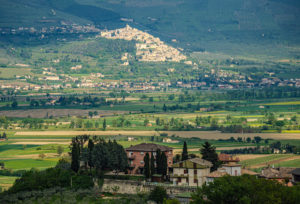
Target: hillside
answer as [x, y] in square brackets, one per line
[216, 25]
[44, 13]
[247, 27]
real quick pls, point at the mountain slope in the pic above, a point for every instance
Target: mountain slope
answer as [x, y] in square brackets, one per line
[213, 25]
[38, 13]
[231, 26]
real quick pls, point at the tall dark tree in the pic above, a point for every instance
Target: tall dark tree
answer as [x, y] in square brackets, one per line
[209, 153]
[104, 124]
[147, 171]
[100, 156]
[158, 162]
[117, 157]
[75, 155]
[164, 164]
[184, 155]
[90, 148]
[152, 164]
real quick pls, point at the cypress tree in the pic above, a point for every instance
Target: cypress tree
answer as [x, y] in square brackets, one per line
[104, 124]
[146, 166]
[184, 155]
[164, 164]
[90, 147]
[152, 164]
[75, 153]
[158, 161]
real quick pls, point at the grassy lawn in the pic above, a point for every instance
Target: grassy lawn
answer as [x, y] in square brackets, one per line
[15, 150]
[17, 164]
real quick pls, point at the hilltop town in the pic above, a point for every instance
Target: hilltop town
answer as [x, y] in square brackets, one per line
[148, 47]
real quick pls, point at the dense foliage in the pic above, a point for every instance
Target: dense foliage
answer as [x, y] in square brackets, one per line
[209, 153]
[246, 189]
[98, 154]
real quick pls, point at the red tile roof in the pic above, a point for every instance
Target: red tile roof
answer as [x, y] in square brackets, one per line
[217, 174]
[148, 147]
[228, 158]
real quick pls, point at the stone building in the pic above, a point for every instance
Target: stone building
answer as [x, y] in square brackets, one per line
[136, 155]
[191, 172]
[296, 176]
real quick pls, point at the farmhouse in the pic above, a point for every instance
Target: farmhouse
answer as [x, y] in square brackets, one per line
[230, 167]
[296, 176]
[136, 155]
[280, 174]
[191, 172]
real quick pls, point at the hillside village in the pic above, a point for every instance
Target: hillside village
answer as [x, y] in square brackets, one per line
[148, 47]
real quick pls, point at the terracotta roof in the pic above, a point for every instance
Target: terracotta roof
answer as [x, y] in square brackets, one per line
[296, 172]
[280, 172]
[216, 174]
[148, 147]
[231, 164]
[228, 158]
[249, 172]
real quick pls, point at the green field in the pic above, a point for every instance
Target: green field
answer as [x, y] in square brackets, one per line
[264, 160]
[27, 164]
[11, 73]
[7, 181]
[291, 163]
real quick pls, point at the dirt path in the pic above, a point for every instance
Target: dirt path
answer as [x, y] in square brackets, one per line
[274, 162]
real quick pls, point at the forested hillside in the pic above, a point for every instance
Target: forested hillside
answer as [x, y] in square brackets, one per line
[197, 25]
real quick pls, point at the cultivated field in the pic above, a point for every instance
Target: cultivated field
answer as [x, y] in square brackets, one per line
[259, 161]
[185, 134]
[41, 113]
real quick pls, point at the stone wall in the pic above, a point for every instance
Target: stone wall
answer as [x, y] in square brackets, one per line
[133, 187]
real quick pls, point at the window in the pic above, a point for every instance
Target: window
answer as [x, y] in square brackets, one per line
[179, 179]
[185, 171]
[194, 165]
[142, 162]
[181, 165]
[195, 171]
[142, 153]
[130, 153]
[195, 180]
[235, 172]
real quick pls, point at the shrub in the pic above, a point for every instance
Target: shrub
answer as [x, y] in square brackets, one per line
[158, 194]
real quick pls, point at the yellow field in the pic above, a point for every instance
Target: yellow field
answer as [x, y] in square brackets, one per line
[283, 103]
